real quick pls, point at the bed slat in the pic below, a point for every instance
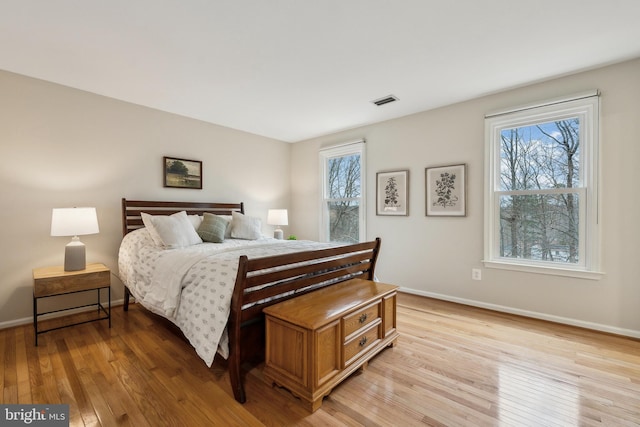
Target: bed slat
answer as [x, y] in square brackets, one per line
[258, 280]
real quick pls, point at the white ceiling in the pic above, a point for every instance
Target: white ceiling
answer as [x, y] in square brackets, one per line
[297, 69]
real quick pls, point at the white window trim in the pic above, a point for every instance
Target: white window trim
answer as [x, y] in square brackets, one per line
[353, 147]
[584, 105]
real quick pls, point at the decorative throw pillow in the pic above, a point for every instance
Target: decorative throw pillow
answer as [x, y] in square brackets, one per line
[227, 234]
[175, 231]
[245, 227]
[212, 228]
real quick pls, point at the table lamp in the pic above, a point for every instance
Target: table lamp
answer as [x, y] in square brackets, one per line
[277, 217]
[74, 222]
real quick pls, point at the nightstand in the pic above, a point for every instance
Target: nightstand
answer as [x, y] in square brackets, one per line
[54, 281]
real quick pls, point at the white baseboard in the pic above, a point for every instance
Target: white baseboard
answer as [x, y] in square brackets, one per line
[558, 319]
[29, 320]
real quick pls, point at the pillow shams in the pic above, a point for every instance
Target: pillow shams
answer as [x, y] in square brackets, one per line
[175, 231]
[245, 227]
[213, 228]
[148, 224]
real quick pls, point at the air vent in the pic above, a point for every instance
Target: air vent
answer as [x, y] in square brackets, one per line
[385, 100]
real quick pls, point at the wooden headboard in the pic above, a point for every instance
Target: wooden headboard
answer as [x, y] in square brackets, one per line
[131, 210]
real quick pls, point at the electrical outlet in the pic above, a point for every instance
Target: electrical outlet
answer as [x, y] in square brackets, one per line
[476, 274]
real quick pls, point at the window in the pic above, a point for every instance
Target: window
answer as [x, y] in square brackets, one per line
[541, 210]
[343, 206]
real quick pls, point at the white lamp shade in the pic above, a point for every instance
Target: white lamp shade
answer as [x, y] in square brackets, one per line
[74, 222]
[277, 217]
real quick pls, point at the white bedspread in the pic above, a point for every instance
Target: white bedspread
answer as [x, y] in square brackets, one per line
[193, 286]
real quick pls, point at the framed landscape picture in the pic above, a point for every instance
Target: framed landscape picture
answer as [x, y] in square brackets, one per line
[392, 193]
[182, 173]
[446, 190]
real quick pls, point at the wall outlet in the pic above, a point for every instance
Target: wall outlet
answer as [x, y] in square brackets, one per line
[476, 274]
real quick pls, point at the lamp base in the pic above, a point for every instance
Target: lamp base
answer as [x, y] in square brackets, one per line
[278, 234]
[74, 255]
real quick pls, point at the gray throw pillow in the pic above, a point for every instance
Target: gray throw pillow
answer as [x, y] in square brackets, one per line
[212, 228]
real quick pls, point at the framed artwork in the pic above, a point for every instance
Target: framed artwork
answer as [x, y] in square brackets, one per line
[392, 193]
[182, 173]
[446, 190]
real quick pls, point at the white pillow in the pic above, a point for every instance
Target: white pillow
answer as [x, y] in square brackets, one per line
[195, 220]
[245, 227]
[148, 224]
[175, 231]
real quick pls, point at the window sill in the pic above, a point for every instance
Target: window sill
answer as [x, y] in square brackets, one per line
[543, 269]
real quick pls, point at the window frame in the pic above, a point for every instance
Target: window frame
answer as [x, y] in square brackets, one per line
[342, 150]
[586, 107]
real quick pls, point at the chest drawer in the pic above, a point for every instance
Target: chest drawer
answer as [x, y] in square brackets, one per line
[360, 343]
[50, 281]
[360, 319]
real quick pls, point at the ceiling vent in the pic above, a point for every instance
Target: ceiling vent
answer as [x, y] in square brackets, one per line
[386, 100]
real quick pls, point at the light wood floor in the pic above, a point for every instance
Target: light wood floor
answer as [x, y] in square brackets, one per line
[453, 365]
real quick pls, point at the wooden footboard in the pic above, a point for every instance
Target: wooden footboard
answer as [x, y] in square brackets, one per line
[265, 281]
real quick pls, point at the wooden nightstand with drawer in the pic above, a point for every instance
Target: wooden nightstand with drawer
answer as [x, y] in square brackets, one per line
[54, 281]
[316, 340]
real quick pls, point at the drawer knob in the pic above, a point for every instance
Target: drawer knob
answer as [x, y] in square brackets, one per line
[363, 341]
[363, 318]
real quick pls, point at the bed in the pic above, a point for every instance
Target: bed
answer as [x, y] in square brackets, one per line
[215, 292]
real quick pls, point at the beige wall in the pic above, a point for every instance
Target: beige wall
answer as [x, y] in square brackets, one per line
[434, 256]
[61, 147]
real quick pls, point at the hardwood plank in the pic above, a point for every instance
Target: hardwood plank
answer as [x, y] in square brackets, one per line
[74, 367]
[10, 387]
[452, 365]
[3, 368]
[22, 368]
[124, 410]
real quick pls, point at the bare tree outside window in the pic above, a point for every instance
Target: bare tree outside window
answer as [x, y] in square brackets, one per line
[344, 198]
[539, 203]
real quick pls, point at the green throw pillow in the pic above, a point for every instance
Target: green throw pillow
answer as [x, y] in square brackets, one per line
[212, 228]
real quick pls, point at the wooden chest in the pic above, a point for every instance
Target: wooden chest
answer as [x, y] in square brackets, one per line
[316, 340]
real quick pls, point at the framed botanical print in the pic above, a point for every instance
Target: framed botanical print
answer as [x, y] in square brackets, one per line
[392, 193]
[446, 190]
